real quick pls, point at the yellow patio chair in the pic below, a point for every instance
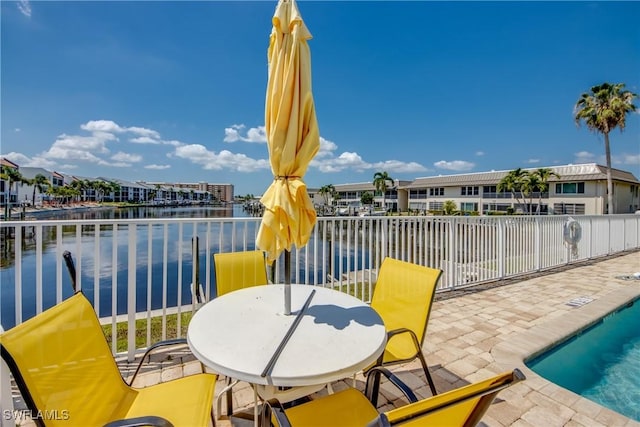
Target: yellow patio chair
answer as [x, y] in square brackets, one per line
[237, 270]
[403, 297]
[464, 406]
[66, 374]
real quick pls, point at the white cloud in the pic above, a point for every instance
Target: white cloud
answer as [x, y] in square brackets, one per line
[455, 165]
[479, 153]
[30, 162]
[62, 153]
[584, 157]
[126, 158]
[24, 6]
[150, 133]
[532, 161]
[209, 160]
[157, 167]
[17, 130]
[102, 126]
[397, 166]
[79, 147]
[620, 160]
[110, 126]
[233, 134]
[325, 160]
[174, 143]
[144, 140]
[326, 148]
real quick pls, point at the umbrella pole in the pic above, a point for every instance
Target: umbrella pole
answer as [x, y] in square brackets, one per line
[287, 282]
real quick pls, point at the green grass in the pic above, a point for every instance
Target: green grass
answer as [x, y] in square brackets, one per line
[141, 330]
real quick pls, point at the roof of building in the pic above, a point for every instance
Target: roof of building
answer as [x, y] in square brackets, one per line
[31, 172]
[359, 186]
[9, 163]
[588, 171]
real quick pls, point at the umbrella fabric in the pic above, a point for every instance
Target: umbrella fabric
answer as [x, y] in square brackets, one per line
[292, 133]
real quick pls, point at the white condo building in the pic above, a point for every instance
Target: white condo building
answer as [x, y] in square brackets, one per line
[579, 190]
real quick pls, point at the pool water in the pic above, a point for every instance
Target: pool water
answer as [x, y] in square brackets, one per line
[601, 363]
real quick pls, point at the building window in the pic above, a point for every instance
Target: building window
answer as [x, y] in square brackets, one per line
[568, 208]
[490, 189]
[436, 206]
[469, 207]
[495, 207]
[436, 191]
[570, 188]
[418, 194]
[469, 191]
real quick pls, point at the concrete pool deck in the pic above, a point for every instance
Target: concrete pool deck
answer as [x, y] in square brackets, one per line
[481, 331]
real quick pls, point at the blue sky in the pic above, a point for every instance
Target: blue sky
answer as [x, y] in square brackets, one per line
[174, 91]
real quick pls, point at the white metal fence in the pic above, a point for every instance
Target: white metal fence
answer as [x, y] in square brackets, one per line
[138, 269]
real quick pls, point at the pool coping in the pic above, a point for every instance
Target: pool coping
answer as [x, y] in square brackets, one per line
[529, 344]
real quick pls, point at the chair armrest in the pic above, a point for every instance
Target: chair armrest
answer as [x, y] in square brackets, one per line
[402, 331]
[394, 332]
[151, 348]
[150, 420]
[273, 408]
[373, 385]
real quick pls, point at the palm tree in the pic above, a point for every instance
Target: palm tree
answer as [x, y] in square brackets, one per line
[543, 175]
[40, 183]
[13, 178]
[530, 184]
[512, 182]
[380, 181]
[602, 110]
[449, 207]
[327, 191]
[100, 187]
[115, 188]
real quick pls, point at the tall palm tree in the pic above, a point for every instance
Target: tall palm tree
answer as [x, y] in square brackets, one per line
[327, 191]
[543, 175]
[380, 181]
[100, 187]
[40, 183]
[602, 110]
[115, 188]
[13, 178]
[530, 184]
[512, 182]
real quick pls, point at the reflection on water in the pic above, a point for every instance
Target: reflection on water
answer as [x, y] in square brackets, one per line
[104, 265]
[96, 264]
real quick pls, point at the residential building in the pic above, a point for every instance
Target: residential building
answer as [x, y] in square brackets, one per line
[25, 191]
[579, 190]
[395, 197]
[218, 192]
[6, 194]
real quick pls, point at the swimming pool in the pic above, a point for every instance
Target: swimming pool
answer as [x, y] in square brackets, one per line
[601, 363]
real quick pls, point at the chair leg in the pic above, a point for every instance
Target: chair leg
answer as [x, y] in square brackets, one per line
[228, 392]
[426, 373]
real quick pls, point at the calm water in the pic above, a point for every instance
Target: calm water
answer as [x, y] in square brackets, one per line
[601, 364]
[220, 240]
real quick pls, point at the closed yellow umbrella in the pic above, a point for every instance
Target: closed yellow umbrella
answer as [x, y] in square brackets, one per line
[293, 138]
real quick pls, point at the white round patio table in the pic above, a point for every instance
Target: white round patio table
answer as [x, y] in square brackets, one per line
[237, 334]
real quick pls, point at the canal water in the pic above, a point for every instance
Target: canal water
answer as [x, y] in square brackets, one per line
[220, 240]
